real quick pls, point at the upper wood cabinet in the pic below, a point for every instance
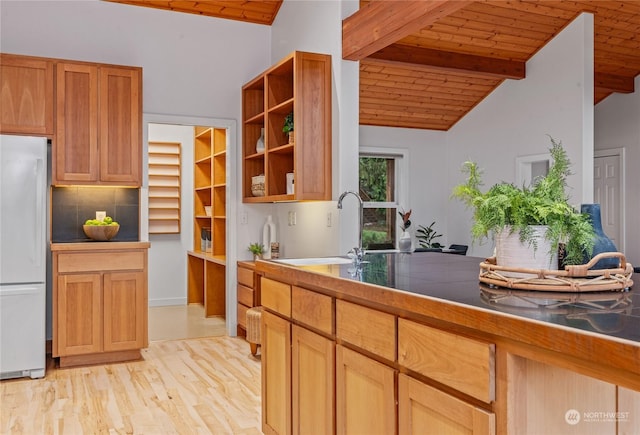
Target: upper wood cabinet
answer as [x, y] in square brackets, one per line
[26, 95]
[98, 125]
[299, 84]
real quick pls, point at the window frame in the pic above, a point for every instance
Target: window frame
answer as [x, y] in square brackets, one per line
[401, 182]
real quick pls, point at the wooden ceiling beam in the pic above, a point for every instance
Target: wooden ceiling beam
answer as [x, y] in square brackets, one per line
[382, 23]
[613, 83]
[411, 56]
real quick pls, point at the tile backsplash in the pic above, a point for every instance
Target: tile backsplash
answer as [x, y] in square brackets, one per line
[72, 206]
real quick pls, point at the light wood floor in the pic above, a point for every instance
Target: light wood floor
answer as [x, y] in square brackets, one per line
[183, 321]
[203, 385]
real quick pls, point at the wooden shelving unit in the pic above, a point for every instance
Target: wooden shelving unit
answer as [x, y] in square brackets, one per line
[164, 187]
[300, 83]
[207, 261]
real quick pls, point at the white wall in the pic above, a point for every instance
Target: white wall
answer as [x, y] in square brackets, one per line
[315, 26]
[617, 121]
[427, 150]
[191, 64]
[515, 119]
[167, 259]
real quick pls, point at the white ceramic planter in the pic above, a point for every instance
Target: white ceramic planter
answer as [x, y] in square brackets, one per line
[510, 252]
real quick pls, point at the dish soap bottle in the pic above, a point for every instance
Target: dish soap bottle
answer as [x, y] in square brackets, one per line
[268, 236]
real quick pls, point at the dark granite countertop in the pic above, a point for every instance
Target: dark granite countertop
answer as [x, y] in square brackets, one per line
[454, 278]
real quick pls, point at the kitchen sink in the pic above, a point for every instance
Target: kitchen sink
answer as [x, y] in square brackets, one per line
[313, 261]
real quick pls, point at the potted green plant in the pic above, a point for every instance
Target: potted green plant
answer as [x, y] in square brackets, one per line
[257, 249]
[404, 243]
[426, 236]
[533, 214]
[288, 126]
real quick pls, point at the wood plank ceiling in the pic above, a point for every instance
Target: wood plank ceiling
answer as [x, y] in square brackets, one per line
[251, 11]
[427, 63]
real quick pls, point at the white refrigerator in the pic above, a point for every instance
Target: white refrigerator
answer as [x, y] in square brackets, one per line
[23, 229]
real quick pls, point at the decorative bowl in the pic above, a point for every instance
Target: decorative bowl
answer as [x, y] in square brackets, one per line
[101, 233]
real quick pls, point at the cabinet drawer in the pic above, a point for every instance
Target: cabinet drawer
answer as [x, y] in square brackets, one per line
[245, 277]
[462, 363]
[245, 295]
[100, 261]
[276, 296]
[368, 329]
[312, 309]
[242, 315]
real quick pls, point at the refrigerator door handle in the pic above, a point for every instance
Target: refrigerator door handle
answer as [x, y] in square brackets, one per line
[38, 240]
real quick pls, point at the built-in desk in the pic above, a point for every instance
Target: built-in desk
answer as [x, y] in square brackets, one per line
[206, 282]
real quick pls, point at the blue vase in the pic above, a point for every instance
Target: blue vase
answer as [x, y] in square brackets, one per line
[602, 242]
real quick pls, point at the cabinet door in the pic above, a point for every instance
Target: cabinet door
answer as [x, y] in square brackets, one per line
[276, 374]
[313, 362]
[120, 125]
[425, 410]
[629, 411]
[365, 395]
[79, 314]
[125, 311]
[76, 145]
[26, 95]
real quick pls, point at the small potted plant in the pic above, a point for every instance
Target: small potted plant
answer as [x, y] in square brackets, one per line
[288, 126]
[535, 214]
[426, 237]
[404, 243]
[257, 249]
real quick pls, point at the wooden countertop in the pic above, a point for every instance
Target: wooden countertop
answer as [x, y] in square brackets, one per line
[443, 290]
[98, 246]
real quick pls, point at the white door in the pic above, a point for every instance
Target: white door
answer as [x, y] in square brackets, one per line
[607, 191]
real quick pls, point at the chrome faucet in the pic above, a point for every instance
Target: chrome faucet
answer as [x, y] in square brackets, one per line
[357, 252]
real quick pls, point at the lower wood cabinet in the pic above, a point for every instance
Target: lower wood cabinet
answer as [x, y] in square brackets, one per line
[99, 305]
[248, 293]
[298, 367]
[629, 409]
[365, 395]
[276, 374]
[336, 362]
[424, 410]
[79, 311]
[313, 368]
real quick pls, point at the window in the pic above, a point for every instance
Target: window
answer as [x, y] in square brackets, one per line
[380, 189]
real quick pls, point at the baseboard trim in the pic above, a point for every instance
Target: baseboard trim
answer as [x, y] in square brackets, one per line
[167, 302]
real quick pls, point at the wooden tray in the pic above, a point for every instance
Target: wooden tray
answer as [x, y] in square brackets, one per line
[575, 279]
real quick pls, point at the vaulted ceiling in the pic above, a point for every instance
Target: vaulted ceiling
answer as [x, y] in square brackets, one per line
[251, 11]
[425, 64]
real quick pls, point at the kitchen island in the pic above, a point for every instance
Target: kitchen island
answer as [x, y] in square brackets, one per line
[414, 343]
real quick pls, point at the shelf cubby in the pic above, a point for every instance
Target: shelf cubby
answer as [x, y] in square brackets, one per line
[164, 187]
[299, 83]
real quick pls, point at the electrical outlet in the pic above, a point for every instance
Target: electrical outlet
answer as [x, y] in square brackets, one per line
[244, 218]
[292, 218]
[328, 219]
